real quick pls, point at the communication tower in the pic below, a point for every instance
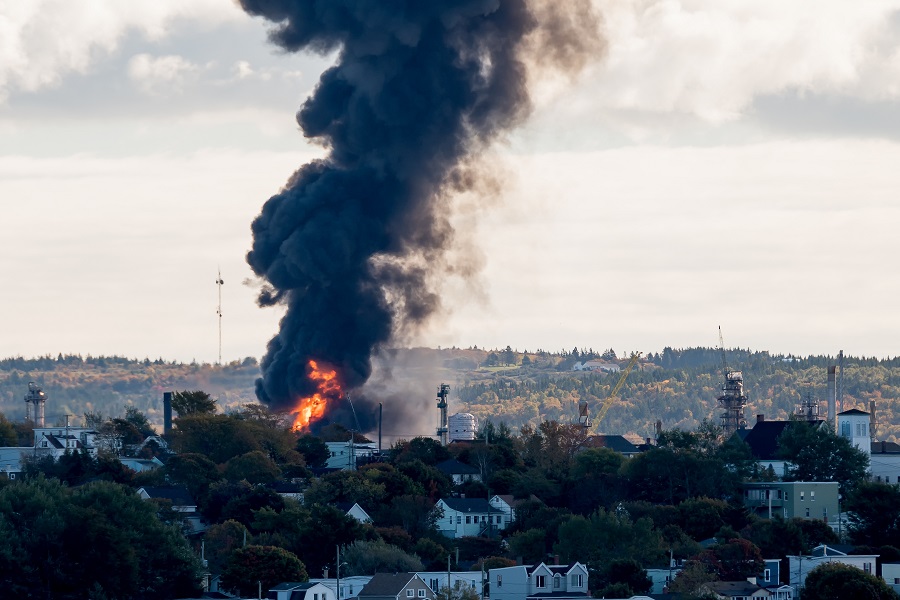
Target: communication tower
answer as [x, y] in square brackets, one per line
[219, 284]
[732, 399]
[37, 397]
[443, 424]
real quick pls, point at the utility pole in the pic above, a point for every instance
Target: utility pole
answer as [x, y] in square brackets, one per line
[337, 573]
[219, 284]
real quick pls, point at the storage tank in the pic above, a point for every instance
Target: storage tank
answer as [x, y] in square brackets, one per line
[463, 426]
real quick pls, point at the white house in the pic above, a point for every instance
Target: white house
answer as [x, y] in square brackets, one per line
[800, 566]
[458, 472]
[344, 455]
[301, 591]
[55, 441]
[853, 424]
[890, 572]
[437, 580]
[596, 365]
[524, 582]
[354, 510]
[350, 586]
[461, 517]
[181, 501]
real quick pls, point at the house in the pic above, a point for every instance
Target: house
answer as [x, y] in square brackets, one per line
[733, 590]
[350, 586]
[596, 365]
[11, 460]
[763, 442]
[139, 465]
[346, 455]
[354, 510]
[532, 582]
[854, 425]
[661, 578]
[616, 443]
[507, 504]
[461, 517]
[458, 472]
[789, 499]
[181, 502]
[56, 441]
[800, 566]
[288, 489]
[396, 586]
[890, 572]
[301, 591]
[438, 580]
[884, 462]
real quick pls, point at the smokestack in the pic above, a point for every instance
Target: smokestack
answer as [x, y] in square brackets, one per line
[380, 420]
[831, 396]
[350, 246]
[167, 414]
[873, 422]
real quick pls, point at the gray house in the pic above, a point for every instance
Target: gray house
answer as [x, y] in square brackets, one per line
[396, 586]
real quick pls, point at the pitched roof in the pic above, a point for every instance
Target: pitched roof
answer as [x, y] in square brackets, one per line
[178, 495]
[470, 505]
[291, 585]
[763, 438]
[732, 588]
[386, 584]
[853, 411]
[613, 442]
[454, 467]
[883, 447]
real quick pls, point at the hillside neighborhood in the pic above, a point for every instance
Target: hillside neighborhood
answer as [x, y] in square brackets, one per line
[556, 511]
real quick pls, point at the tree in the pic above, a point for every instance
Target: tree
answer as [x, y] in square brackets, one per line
[874, 514]
[221, 540]
[60, 542]
[255, 467]
[197, 402]
[836, 581]
[626, 573]
[457, 592]
[819, 454]
[8, 436]
[314, 450]
[251, 566]
[368, 558]
[139, 420]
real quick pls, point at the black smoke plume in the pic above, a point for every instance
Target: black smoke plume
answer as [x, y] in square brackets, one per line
[419, 89]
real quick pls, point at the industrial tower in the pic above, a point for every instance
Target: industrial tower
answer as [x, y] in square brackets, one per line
[443, 423]
[37, 397]
[732, 399]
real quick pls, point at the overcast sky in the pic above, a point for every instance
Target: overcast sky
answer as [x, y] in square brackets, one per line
[725, 162]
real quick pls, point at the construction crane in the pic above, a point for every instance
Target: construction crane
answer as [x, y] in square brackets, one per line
[590, 426]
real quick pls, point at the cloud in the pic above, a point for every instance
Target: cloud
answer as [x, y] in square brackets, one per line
[157, 75]
[41, 41]
[711, 58]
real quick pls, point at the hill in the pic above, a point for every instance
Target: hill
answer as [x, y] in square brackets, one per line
[677, 387]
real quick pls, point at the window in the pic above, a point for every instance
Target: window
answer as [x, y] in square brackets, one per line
[767, 575]
[433, 584]
[577, 580]
[12, 475]
[421, 593]
[409, 594]
[315, 597]
[812, 496]
[539, 581]
[468, 519]
[896, 580]
[557, 581]
[499, 580]
[458, 519]
[801, 496]
[867, 567]
[807, 512]
[44, 444]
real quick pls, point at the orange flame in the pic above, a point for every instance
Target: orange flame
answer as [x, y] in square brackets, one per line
[311, 408]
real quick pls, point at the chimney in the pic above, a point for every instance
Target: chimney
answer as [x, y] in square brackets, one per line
[832, 398]
[760, 418]
[167, 414]
[873, 422]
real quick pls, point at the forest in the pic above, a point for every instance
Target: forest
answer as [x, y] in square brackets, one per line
[677, 387]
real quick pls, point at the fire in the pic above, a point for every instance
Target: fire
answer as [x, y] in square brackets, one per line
[311, 408]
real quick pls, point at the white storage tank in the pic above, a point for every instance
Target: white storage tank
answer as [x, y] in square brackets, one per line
[463, 426]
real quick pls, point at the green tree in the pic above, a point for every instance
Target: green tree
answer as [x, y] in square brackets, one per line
[139, 420]
[313, 449]
[457, 592]
[255, 467]
[628, 574]
[608, 535]
[874, 514]
[250, 566]
[819, 454]
[197, 402]
[221, 540]
[368, 558]
[836, 581]
[8, 436]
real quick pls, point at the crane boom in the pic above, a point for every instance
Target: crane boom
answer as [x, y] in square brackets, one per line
[722, 347]
[612, 395]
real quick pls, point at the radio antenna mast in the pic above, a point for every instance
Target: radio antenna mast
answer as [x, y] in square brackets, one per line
[219, 284]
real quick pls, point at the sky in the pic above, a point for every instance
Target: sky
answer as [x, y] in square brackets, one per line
[722, 163]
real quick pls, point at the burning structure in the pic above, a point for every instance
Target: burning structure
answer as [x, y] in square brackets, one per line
[352, 243]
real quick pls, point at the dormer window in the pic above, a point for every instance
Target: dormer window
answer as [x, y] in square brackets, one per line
[539, 581]
[557, 581]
